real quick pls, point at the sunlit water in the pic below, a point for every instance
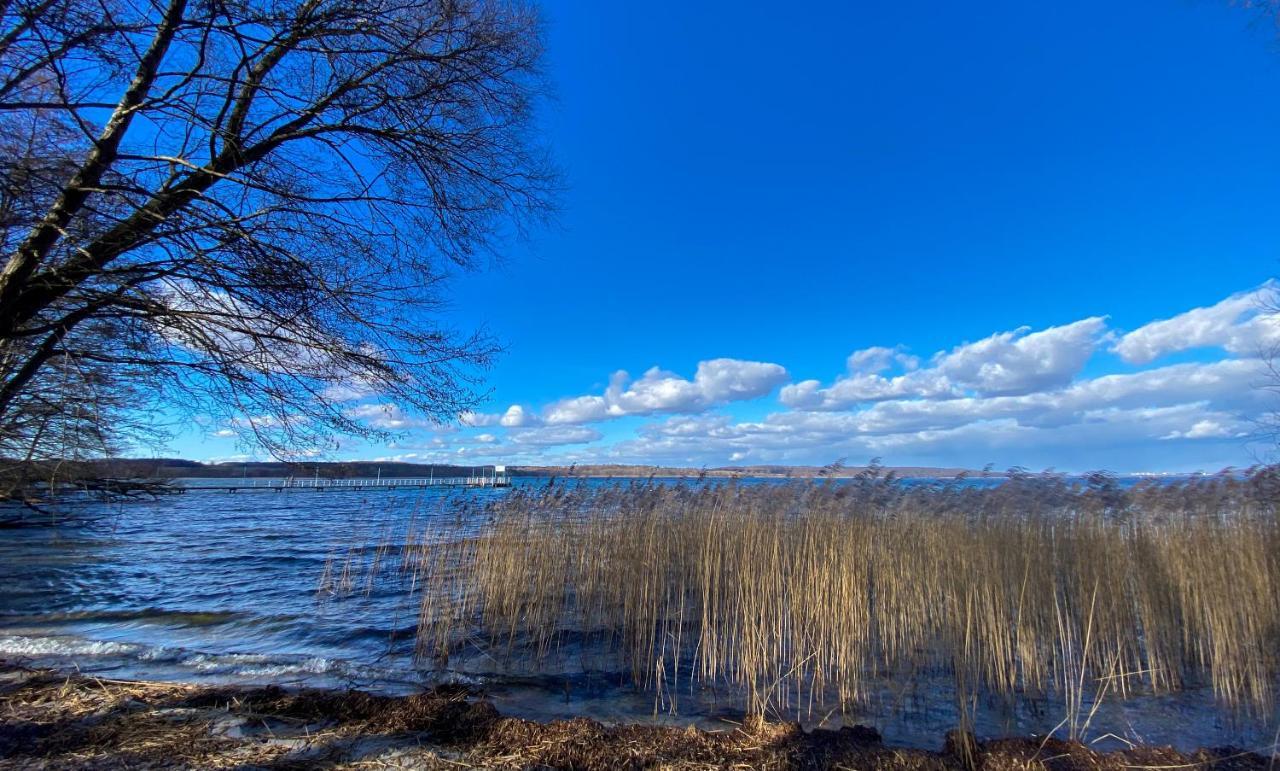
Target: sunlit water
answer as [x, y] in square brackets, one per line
[221, 587]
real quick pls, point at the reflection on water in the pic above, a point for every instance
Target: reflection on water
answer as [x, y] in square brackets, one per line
[222, 587]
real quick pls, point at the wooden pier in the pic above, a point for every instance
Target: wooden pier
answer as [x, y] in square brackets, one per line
[340, 485]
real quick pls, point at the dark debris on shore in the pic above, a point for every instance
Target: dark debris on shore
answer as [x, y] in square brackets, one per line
[59, 721]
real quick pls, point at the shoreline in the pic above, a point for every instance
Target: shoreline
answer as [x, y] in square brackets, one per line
[52, 719]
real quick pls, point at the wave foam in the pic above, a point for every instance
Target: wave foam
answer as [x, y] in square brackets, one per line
[256, 665]
[170, 663]
[17, 645]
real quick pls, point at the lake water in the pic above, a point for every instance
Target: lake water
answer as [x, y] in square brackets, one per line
[221, 587]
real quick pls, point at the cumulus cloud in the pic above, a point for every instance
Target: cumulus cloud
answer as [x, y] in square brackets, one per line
[580, 409]
[716, 382]
[1019, 362]
[1195, 402]
[1014, 397]
[1211, 428]
[1228, 384]
[517, 416]
[386, 416]
[708, 425]
[1119, 437]
[726, 380]
[1241, 324]
[478, 419]
[878, 359]
[347, 392]
[863, 387]
[549, 436]
[1006, 363]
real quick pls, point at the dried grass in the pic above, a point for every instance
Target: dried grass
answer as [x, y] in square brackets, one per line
[52, 721]
[799, 595]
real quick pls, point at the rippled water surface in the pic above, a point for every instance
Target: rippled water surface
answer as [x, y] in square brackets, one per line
[220, 587]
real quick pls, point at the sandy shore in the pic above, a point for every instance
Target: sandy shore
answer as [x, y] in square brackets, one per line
[60, 721]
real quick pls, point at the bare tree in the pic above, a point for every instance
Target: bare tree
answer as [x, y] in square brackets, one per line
[245, 207]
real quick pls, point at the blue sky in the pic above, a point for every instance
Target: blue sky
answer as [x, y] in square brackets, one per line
[769, 194]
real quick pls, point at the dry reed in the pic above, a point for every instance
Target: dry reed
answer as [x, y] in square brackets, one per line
[801, 594]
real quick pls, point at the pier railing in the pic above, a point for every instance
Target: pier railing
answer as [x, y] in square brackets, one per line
[350, 484]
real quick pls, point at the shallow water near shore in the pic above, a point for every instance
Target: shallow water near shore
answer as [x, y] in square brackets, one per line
[218, 587]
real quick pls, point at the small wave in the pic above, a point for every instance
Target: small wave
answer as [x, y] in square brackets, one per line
[186, 665]
[256, 665]
[308, 667]
[17, 645]
[402, 632]
[160, 654]
[146, 615]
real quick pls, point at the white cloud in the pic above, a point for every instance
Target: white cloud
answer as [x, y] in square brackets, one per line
[1018, 363]
[1106, 414]
[1006, 363]
[716, 382]
[478, 419]
[867, 387]
[268, 343]
[1212, 428]
[727, 380]
[878, 359]
[1116, 437]
[258, 422]
[517, 416]
[1014, 397]
[232, 459]
[386, 416]
[548, 436]
[702, 425]
[578, 409]
[1229, 384]
[1240, 324]
[345, 393]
